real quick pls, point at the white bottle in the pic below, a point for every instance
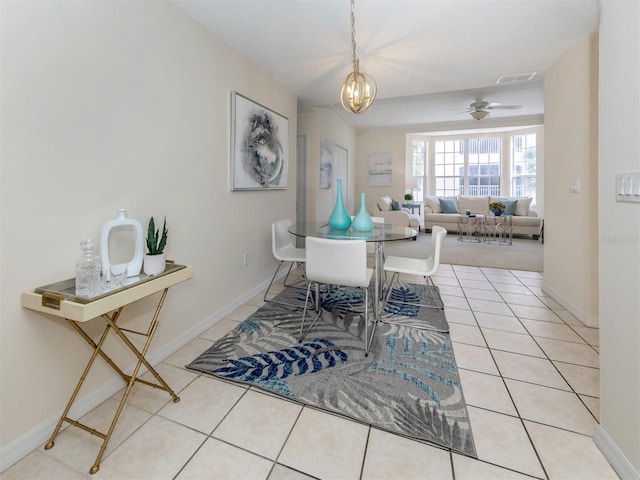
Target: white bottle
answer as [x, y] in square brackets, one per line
[87, 270]
[133, 266]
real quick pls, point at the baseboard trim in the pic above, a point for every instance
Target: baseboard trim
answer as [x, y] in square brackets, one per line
[614, 456]
[584, 317]
[36, 437]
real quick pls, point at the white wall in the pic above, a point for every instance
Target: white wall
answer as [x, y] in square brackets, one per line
[324, 123]
[381, 140]
[619, 229]
[571, 219]
[108, 105]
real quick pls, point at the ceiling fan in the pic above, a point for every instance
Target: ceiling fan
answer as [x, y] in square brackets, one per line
[479, 109]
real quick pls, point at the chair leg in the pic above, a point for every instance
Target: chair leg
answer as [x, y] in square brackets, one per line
[271, 283]
[389, 289]
[303, 333]
[368, 338]
[287, 275]
[284, 283]
[432, 287]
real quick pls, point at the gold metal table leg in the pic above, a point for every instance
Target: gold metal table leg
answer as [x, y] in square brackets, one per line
[63, 417]
[111, 321]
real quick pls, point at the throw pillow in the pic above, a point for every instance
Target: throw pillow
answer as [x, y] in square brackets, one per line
[395, 205]
[522, 209]
[510, 207]
[448, 206]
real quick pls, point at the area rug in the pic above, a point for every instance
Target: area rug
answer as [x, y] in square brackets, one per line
[408, 384]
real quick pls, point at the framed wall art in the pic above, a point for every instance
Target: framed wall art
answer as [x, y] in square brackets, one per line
[380, 170]
[259, 146]
[326, 163]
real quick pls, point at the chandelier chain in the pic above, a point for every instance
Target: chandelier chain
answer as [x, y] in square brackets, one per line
[359, 89]
[356, 62]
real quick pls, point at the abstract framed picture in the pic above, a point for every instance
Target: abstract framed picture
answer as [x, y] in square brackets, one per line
[380, 170]
[259, 146]
[326, 163]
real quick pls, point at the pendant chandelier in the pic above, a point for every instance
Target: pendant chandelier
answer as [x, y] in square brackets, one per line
[359, 89]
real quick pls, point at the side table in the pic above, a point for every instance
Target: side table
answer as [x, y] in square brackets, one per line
[59, 299]
[499, 228]
[413, 206]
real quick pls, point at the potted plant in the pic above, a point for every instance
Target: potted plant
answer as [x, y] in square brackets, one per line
[497, 208]
[155, 261]
[408, 197]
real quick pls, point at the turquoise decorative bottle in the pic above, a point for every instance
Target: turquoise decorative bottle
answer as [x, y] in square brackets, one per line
[362, 221]
[339, 219]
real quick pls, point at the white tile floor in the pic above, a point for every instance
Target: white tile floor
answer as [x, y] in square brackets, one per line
[529, 372]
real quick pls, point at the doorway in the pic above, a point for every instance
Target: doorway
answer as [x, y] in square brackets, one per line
[301, 184]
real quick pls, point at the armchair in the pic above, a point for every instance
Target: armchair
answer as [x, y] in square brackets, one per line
[397, 217]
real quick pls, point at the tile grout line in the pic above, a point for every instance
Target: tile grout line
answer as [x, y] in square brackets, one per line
[531, 442]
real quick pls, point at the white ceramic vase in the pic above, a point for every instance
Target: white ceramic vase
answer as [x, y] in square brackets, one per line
[122, 223]
[154, 264]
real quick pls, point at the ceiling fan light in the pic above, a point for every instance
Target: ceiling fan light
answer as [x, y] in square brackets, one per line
[479, 114]
[358, 92]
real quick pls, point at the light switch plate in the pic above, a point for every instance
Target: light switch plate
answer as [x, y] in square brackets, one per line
[628, 187]
[574, 185]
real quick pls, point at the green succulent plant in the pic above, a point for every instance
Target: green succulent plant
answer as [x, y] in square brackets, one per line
[155, 241]
[408, 197]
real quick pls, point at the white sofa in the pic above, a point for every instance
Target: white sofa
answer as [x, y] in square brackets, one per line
[525, 218]
[402, 216]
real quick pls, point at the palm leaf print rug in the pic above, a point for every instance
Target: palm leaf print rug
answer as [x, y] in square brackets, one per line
[408, 384]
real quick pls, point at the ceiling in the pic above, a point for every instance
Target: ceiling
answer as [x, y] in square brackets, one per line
[430, 58]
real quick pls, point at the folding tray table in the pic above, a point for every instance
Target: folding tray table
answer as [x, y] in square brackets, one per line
[59, 299]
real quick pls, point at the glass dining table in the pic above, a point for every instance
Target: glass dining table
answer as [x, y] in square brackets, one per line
[381, 233]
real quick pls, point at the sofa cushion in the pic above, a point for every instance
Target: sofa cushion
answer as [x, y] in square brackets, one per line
[479, 205]
[384, 204]
[395, 205]
[524, 221]
[442, 218]
[522, 209]
[433, 203]
[448, 205]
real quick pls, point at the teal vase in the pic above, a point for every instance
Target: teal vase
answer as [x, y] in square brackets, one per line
[339, 219]
[362, 221]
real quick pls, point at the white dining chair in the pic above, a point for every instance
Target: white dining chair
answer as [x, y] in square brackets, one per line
[337, 263]
[425, 267]
[284, 250]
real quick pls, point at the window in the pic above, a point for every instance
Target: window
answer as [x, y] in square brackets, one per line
[449, 167]
[469, 166]
[484, 167]
[419, 168]
[523, 166]
[503, 164]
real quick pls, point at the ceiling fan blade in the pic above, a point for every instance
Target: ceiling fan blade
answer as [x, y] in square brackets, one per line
[504, 107]
[464, 112]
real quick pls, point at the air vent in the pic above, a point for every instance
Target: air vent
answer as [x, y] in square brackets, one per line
[516, 78]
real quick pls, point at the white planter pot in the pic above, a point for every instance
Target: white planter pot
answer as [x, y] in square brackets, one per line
[154, 264]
